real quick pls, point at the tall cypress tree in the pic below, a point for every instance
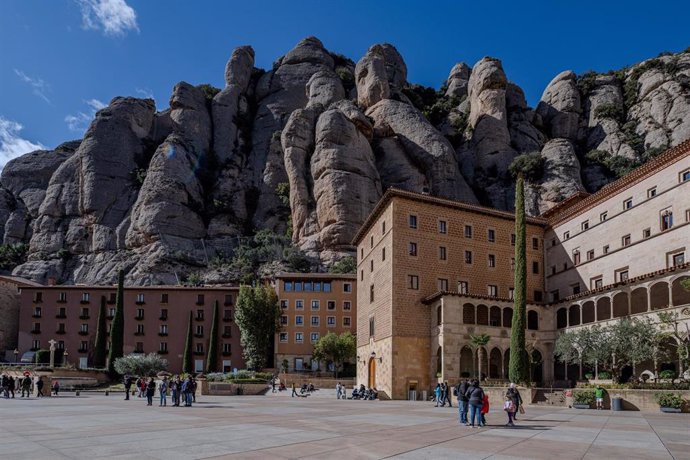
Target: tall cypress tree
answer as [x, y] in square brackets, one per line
[187, 359]
[117, 329]
[99, 348]
[518, 369]
[212, 357]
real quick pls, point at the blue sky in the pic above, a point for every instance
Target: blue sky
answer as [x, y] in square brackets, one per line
[60, 60]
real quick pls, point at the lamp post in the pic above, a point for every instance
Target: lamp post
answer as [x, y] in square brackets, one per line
[64, 358]
[16, 353]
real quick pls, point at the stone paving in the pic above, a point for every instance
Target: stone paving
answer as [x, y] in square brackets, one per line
[278, 426]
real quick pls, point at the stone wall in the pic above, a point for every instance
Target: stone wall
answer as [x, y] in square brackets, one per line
[9, 316]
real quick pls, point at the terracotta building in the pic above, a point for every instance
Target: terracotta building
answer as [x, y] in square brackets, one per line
[10, 299]
[312, 305]
[432, 272]
[156, 319]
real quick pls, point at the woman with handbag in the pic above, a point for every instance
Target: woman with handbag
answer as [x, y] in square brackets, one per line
[514, 396]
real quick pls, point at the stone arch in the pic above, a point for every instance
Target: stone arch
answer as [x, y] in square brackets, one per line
[532, 320]
[507, 317]
[638, 301]
[620, 305]
[495, 363]
[482, 315]
[658, 294]
[468, 314]
[495, 316]
[466, 362]
[562, 318]
[588, 312]
[439, 315]
[506, 363]
[678, 293]
[574, 315]
[603, 309]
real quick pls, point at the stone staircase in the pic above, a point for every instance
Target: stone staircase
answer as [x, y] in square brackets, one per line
[549, 397]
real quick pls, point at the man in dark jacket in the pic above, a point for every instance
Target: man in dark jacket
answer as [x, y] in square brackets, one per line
[460, 391]
[475, 398]
[39, 387]
[26, 386]
[127, 381]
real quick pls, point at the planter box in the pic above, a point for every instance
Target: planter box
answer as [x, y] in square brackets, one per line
[670, 410]
[581, 406]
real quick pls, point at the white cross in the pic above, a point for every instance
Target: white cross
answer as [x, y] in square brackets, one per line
[52, 344]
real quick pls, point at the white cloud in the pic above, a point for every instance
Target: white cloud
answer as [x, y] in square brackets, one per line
[12, 144]
[80, 121]
[114, 17]
[40, 87]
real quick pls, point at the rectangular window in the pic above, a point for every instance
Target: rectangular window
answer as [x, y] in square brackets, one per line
[535, 243]
[623, 275]
[597, 282]
[164, 298]
[317, 286]
[228, 299]
[383, 227]
[371, 293]
[327, 286]
[227, 348]
[605, 249]
[492, 290]
[584, 225]
[85, 297]
[576, 257]
[330, 305]
[299, 320]
[299, 337]
[36, 344]
[371, 327]
[62, 297]
[315, 320]
[512, 264]
[347, 321]
[313, 337]
[412, 282]
[163, 329]
[625, 241]
[412, 249]
[200, 314]
[687, 215]
[199, 330]
[227, 331]
[284, 320]
[603, 216]
[555, 295]
[666, 220]
[111, 313]
[590, 254]
[347, 288]
[199, 347]
[511, 293]
[299, 304]
[513, 239]
[492, 261]
[61, 328]
[83, 328]
[298, 286]
[468, 231]
[442, 284]
[651, 192]
[347, 306]
[284, 304]
[538, 296]
[685, 176]
[413, 221]
[361, 275]
[308, 285]
[140, 298]
[566, 235]
[627, 204]
[283, 337]
[84, 346]
[37, 327]
[287, 286]
[200, 299]
[678, 259]
[535, 268]
[442, 253]
[463, 287]
[315, 304]
[468, 257]
[575, 288]
[330, 321]
[163, 346]
[646, 233]
[442, 227]
[383, 254]
[371, 265]
[140, 313]
[491, 235]
[371, 241]
[37, 312]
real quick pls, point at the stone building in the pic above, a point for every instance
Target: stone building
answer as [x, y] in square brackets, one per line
[312, 305]
[10, 299]
[432, 272]
[156, 319]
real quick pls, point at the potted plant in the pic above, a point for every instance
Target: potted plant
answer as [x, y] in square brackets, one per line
[583, 399]
[669, 402]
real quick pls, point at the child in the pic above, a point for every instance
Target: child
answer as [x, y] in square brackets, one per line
[485, 408]
[509, 407]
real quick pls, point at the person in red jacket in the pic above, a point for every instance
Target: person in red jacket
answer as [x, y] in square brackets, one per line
[485, 408]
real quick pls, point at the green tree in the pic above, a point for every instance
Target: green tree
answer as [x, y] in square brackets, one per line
[347, 264]
[99, 347]
[518, 368]
[257, 314]
[336, 349]
[187, 361]
[141, 365]
[117, 329]
[675, 327]
[212, 358]
[478, 342]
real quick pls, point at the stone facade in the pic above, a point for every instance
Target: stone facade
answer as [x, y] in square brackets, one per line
[10, 299]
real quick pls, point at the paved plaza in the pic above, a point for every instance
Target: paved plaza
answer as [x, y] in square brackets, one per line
[278, 426]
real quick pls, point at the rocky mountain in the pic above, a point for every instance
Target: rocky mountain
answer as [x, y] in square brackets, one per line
[308, 147]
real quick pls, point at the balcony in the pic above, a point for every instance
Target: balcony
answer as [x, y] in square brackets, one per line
[61, 316]
[36, 315]
[226, 353]
[84, 301]
[35, 331]
[163, 318]
[198, 353]
[82, 350]
[199, 318]
[61, 332]
[140, 302]
[83, 332]
[200, 301]
[38, 300]
[61, 300]
[139, 318]
[163, 334]
[199, 336]
[84, 317]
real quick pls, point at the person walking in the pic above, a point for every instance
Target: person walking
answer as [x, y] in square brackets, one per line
[514, 395]
[175, 390]
[509, 408]
[150, 391]
[437, 393]
[56, 388]
[193, 389]
[39, 387]
[186, 391]
[3, 383]
[26, 386]
[460, 391]
[10, 385]
[140, 387]
[273, 385]
[449, 398]
[444, 394]
[475, 397]
[127, 382]
[294, 392]
[163, 391]
[338, 390]
[599, 396]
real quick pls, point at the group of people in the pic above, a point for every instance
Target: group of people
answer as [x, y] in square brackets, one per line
[472, 398]
[442, 395]
[26, 385]
[181, 390]
[367, 394]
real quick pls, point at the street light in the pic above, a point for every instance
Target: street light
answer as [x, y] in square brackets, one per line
[16, 353]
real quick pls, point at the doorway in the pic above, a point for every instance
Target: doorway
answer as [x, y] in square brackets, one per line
[372, 373]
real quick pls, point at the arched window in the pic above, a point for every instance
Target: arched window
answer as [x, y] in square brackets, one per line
[439, 315]
[562, 318]
[532, 320]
